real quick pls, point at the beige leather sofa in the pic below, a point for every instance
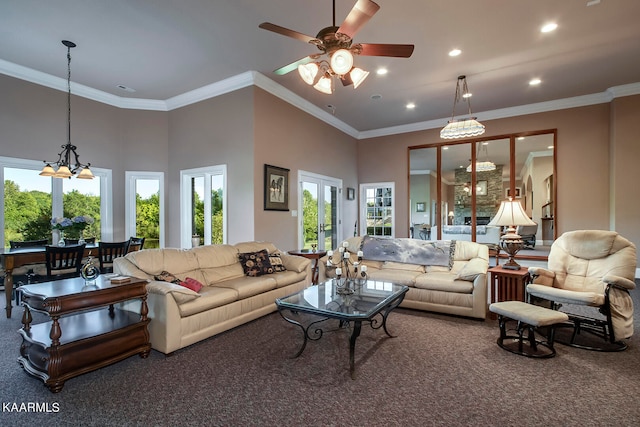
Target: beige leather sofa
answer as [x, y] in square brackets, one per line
[459, 290]
[181, 316]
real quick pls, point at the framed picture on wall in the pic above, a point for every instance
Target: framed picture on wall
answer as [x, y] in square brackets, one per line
[351, 193]
[481, 189]
[276, 188]
[507, 193]
[421, 207]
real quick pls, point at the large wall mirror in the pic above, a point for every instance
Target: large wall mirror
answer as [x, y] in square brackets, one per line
[450, 199]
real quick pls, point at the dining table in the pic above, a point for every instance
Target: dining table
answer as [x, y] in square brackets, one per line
[17, 257]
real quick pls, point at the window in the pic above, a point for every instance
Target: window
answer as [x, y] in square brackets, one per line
[202, 217]
[377, 210]
[144, 207]
[29, 201]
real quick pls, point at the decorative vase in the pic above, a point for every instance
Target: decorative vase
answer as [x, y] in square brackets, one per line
[61, 239]
[89, 272]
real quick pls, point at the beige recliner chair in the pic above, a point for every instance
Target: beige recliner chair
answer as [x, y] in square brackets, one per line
[590, 268]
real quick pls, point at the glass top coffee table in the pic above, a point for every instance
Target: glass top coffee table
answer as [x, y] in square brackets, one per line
[371, 301]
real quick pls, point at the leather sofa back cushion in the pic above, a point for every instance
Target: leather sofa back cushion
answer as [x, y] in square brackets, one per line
[402, 266]
[215, 256]
[154, 261]
[255, 247]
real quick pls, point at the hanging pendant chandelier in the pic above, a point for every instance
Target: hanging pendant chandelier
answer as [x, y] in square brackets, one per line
[463, 128]
[68, 163]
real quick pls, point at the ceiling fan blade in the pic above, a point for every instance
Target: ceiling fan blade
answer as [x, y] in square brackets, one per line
[395, 50]
[287, 32]
[294, 65]
[362, 11]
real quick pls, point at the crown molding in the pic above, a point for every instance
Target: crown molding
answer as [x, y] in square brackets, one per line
[255, 78]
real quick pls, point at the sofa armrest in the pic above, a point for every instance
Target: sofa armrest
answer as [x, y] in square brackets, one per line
[179, 293]
[295, 263]
[125, 267]
[619, 281]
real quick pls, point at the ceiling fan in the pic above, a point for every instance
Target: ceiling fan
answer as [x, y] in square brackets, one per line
[337, 44]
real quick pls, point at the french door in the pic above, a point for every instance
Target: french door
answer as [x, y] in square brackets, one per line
[319, 207]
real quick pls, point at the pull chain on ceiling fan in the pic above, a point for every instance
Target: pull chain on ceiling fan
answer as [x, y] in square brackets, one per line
[337, 44]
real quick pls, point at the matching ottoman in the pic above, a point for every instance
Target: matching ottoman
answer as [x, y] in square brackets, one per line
[529, 317]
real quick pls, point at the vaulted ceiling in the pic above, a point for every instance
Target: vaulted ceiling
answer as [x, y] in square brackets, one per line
[173, 51]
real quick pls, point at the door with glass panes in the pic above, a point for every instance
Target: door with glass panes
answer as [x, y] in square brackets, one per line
[319, 219]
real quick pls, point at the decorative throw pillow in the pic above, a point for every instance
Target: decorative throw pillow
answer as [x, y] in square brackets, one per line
[192, 284]
[165, 276]
[276, 262]
[256, 263]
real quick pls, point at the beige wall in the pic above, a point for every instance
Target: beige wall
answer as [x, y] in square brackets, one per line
[590, 140]
[597, 152]
[217, 131]
[33, 125]
[289, 138]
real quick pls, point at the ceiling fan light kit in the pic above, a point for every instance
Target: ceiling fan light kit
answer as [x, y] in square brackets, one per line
[337, 44]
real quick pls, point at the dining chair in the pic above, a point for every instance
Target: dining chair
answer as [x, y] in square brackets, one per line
[136, 244]
[108, 251]
[63, 262]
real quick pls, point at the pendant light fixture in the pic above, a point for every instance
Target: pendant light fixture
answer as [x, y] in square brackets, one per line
[68, 163]
[463, 128]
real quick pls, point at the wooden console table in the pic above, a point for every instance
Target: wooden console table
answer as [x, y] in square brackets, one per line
[508, 285]
[85, 332]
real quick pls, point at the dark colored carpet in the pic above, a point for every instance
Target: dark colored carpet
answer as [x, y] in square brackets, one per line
[439, 371]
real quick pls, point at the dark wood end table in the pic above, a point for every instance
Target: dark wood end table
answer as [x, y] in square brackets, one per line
[508, 285]
[314, 256]
[86, 332]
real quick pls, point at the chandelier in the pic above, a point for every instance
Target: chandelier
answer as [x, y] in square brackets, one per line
[68, 163]
[320, 74]
[486, 165]
[463, 128]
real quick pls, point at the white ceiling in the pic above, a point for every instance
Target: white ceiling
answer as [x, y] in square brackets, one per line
[167, 48]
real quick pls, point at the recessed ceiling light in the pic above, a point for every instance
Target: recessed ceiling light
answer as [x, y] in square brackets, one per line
[376, 96]
[411, 106]
[534, 82]
[467, 95]
[547, 28]
[455, 52]
[520, 138]
[381, 71]
[446, 147]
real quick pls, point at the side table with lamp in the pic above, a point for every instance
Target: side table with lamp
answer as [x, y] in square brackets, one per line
[508, 281]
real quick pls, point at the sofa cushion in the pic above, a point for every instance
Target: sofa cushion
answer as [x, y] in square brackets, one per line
[255, 247]
[443, 282]
[214, 275]
[256, 263]
[210, 297]
[399, 277]
[246, 287]
[192, 284]
[393, 265]
[212, 256]
[276, 262]
[286, 278]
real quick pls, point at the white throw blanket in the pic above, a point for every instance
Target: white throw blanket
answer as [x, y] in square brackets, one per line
[409, 251]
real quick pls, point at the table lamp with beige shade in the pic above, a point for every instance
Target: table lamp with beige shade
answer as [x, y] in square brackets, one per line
[511, 215]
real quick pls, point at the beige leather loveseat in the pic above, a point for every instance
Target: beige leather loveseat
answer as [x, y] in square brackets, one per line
[459, 288]
[181, 316]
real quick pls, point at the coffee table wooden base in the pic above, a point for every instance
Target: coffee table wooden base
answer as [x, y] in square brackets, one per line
[117, 336]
